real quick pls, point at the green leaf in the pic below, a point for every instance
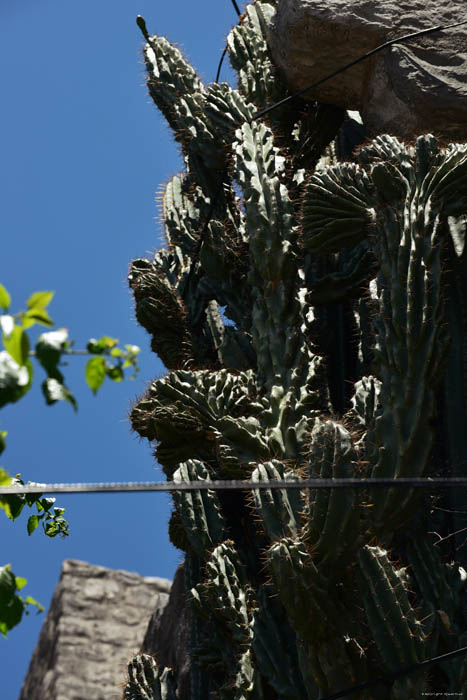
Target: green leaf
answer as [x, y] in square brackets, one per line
[95, 373]
[12, 606]
[45, 504]
[131, 359]
[97, 347]
[17, 345]
[49, 349]
[33, 522]
[115, 373]
[54, 391]
[5, 478]
[3, 434]
[32, 601]
[33, 316]
[56, 526]
[11, 614]
[6, 503]
[133, 349]
[5, 299]
[39, 300]
[20, 582]
[7, 584]
[14, 504]
[32, 498]
[15, 380]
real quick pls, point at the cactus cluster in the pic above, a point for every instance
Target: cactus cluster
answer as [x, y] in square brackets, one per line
[310, 307]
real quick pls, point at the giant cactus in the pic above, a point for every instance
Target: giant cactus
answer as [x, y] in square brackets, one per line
[311, 308]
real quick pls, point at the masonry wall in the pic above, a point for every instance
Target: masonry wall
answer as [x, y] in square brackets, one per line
[97, 620]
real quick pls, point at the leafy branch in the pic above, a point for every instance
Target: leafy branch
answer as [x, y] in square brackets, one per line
[16, 370]
[16, 377]
[13, 606]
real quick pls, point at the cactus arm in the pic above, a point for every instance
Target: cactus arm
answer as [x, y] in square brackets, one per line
[200, 511]
[411, 339]
[354, 272]
[279, 512]
[397, 633]
[146, 682]
[186, 411]
[269, 219]
[332, 523]
[316, 616]
[158, 306]
[272, 640]
[338, 208]
[249, 56]
[228, 599]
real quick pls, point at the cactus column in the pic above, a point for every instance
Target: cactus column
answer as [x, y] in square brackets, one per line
[310, 311]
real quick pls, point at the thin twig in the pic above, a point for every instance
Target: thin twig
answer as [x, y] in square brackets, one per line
[452, 534]
[69, 351]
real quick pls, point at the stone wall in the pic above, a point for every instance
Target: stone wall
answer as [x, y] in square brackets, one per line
[96, 622]
[407, 89]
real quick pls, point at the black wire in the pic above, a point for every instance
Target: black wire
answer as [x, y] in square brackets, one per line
[237, 9]
[397, 674]
[220, 64]
[353, 63]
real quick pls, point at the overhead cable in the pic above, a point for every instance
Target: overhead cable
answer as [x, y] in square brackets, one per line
[233, 485]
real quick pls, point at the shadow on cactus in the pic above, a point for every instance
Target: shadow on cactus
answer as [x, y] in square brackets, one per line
[310, 307]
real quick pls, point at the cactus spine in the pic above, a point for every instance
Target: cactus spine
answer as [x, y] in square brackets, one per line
[314, 325]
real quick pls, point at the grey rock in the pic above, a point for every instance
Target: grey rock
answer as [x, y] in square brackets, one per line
[95, 624]
[406, 89]
[167, 636]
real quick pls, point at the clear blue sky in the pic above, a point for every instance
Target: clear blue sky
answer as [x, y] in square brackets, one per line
[84, 152]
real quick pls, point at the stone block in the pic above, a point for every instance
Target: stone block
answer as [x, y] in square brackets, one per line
[407, 89]
[96, 622]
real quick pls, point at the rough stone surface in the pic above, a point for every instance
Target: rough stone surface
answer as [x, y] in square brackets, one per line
[407, 89]
[167, 636]
[96, 622]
